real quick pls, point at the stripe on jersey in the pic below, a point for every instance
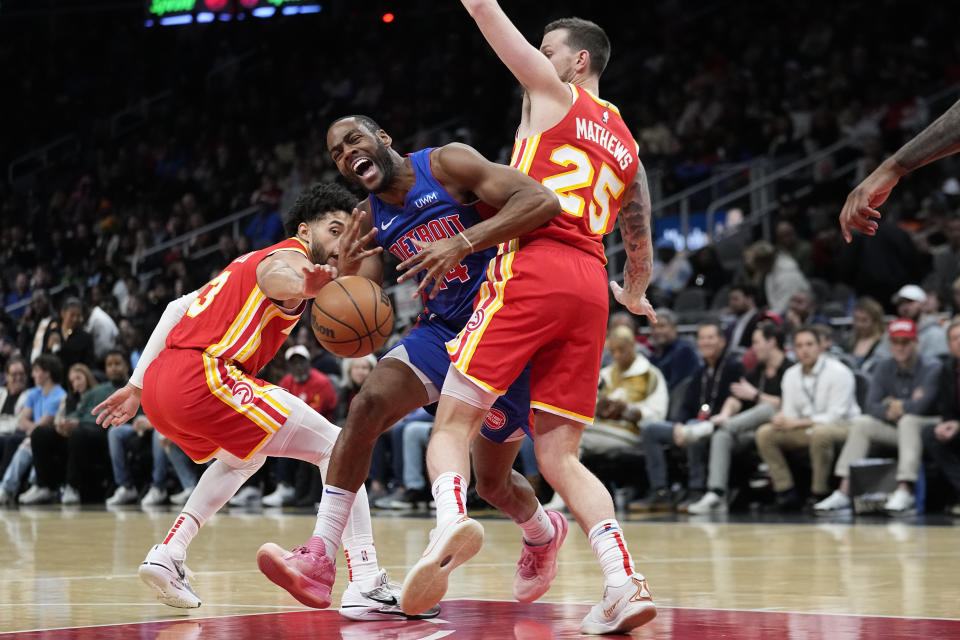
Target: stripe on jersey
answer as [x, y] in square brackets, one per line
[549, 408]
[603, 103]
[262, 410]
[255, 338]
[492, 292]
[240, 323]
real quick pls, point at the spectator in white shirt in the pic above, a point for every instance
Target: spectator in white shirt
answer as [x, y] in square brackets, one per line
[818, 403]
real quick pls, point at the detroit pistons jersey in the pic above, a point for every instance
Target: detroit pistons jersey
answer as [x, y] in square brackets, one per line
[588, 159]
[429, 214]
[232, 320]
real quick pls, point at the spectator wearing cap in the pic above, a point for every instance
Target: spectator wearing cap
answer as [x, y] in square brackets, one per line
[931, 336]
[900, 403]
[318, 392]
[941, 441]
[673, 356]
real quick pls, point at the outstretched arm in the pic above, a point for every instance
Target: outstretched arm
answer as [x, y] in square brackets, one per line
[940, 139]
[523, 205]
[530, 67]
[289, 276]
[634, 219]
[359, 253]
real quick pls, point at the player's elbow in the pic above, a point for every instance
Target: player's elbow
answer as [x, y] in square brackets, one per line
[476, 7]
[547, 203]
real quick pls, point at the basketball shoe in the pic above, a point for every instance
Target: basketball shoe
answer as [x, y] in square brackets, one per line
[307, 575]
[168, 577]
[622, 608]
[538, 564]
[458, 541]
[382, 602]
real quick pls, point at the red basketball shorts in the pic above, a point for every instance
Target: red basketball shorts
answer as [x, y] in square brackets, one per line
[205, 404]
[545, 304]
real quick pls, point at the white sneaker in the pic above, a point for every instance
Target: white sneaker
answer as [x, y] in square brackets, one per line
[69, 496]
[181, 497]
[836, 501]
[556, 503]
[123, 495]
[281, 496]
[709, 503]
[382, 602]
[899, 501]
[247, 496]
[458, 541]
[168, 577]
[697, 431]
[622, 608]
[37, 495]
[154, 496]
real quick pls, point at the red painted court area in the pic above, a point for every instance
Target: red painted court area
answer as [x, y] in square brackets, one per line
[487, 620]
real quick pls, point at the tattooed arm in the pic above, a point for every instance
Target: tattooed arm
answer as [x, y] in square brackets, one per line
[940, 139]
[634, 220]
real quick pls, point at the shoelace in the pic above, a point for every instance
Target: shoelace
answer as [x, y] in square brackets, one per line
[530, 562]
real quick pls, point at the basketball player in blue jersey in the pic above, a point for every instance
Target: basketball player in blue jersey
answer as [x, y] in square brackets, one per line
[438, 196]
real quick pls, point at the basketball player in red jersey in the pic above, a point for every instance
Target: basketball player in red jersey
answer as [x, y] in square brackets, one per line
[197, 382]
[546, 304]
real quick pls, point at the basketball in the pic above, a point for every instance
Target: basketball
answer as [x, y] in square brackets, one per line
[351, 317]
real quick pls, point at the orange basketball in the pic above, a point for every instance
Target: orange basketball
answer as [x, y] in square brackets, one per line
[351, 317]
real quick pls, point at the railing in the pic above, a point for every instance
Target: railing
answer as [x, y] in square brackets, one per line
[41, 158]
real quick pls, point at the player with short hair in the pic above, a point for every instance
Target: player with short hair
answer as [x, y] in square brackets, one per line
[443, 198]
[546, 303]
[197, 382]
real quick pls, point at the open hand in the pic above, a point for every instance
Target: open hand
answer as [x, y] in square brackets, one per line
[352, 249]
[437, 258]
[119, 408]
[860, 209]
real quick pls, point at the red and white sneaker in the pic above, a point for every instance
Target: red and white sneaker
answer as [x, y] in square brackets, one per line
[621, 609]
[538, 564]
[308, 576]
[458, 541]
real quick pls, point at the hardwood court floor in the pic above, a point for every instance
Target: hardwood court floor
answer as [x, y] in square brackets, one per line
[77, 568]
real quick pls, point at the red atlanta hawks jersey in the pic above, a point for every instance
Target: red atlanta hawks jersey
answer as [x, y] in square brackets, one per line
[233, 320]
[588, 159]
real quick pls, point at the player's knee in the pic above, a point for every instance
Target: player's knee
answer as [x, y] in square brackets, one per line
[370, 414]
[493, 490]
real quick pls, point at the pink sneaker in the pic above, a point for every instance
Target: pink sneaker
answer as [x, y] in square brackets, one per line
[307, 575]
[538, 565]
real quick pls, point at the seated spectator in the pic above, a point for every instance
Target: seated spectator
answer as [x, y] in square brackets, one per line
[39, 409]
[121, 438]
[931, 335]
[67, 339]
[266, 226]
[802, 311]
[793, 245]
[941, 441]
[753, 401]
[899, 404]
[671, 271]
[103, 330]
[416, 427]
[12, 397]
[946, 258]
[49, 443]
[316, 390]
[818, 402]
[673, 356]
[867, 332]
[705, 395]
[742, 303]
[776, 273]
[632, 393]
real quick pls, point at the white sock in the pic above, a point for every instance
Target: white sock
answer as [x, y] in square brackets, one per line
[607, 541]
[177, 540]
[361, 557]
[539, 529]
[450, 494]
[332, 517]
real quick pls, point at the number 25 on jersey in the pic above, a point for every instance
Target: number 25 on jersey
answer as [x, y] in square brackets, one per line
[606, 186]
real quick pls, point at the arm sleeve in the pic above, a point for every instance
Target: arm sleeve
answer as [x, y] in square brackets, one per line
[158, 339]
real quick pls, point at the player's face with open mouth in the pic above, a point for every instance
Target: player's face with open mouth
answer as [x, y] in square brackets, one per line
[360, 155]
